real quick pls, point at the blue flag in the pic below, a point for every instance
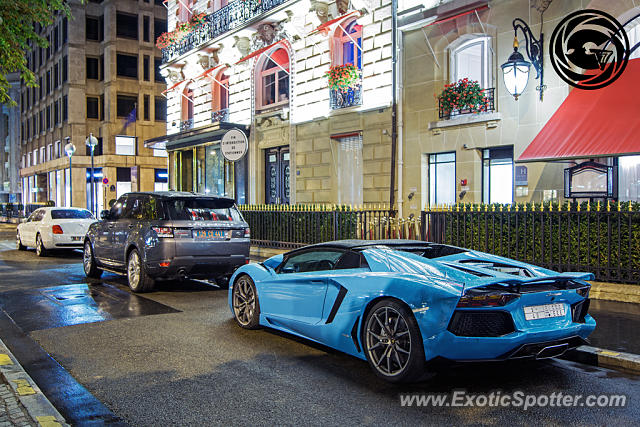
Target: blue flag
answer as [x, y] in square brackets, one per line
[131, 118]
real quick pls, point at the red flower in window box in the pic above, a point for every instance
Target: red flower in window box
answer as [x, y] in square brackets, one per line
[182, 29]
[343, 77]
[465, 95]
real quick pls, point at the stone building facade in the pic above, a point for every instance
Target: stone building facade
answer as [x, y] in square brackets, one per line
[98, 73]
[260, 67]
[473, 158]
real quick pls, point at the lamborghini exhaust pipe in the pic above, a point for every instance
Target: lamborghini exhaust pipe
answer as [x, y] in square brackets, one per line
[552, 351]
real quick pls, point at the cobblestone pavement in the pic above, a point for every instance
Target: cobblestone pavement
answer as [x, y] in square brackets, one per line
[12, 413]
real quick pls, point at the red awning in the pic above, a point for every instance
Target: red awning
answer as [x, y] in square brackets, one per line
[209, 71]
[440, 21]
[325, 26]
[593, 123]
[259, 51]
[281, 57]
[173, 87]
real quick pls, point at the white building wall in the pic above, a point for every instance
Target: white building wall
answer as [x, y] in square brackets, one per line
[312, 57]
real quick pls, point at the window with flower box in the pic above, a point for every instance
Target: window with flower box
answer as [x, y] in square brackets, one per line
[345, 75]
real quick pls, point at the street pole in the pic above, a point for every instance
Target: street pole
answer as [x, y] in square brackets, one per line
[91, 142]
[69, 148]
[93, 184]
[70, 183]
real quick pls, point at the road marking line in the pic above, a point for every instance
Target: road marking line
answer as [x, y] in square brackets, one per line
[48, 421]
[23, 388]
[5, 359]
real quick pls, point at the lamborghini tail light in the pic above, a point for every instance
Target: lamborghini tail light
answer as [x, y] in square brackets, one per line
[482, 298]
[583, 292]
[247, 233]
[56, 229]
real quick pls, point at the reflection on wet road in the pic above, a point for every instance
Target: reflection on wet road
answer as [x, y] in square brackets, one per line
[618, 324]
[53, 307]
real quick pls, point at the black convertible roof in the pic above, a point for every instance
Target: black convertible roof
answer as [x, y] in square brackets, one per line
[354, 243]
[426, 249]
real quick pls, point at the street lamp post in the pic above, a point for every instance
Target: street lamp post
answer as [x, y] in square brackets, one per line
[515, 72]
[69, 148]
[91, 142]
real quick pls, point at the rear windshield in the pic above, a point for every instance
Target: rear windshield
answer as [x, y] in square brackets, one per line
[71, 214]
[201, 210]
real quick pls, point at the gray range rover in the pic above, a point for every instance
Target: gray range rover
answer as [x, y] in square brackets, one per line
[167, 235]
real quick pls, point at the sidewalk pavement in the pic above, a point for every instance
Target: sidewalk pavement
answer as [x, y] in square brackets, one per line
[21, 400]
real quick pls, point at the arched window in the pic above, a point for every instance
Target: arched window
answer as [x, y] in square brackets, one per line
[220, 96]
[220, 91]
[187, 107]
[272, 88]
[347, 44]
[471, 58]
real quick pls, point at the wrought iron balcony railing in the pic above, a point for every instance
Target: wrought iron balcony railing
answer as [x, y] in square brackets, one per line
[186, 125]
[444, 113]
[343, 98]
[220, 115]
[234, 15]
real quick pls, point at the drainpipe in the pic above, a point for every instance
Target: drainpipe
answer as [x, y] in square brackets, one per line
[394, 106]
[400, 125]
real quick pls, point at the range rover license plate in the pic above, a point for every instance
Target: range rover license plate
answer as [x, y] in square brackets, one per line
[210, 234]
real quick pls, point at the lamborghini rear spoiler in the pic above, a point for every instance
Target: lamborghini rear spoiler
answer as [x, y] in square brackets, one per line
[562, 277]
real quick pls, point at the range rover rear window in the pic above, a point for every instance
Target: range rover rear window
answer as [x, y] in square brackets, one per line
[191, 209]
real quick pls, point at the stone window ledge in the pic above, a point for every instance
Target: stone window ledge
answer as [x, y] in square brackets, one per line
[467, 119]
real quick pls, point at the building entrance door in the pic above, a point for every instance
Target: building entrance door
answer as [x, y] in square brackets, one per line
[277, 175]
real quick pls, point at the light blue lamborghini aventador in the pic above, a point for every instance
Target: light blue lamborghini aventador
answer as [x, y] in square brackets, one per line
[401, 303]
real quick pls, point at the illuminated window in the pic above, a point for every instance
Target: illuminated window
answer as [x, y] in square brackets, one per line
[471, 58]
[187, 103]
[347, 44]
[497, 175]
[442, 179]
[220, 91]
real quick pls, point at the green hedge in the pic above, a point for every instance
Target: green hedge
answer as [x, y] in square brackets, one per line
[605, 242]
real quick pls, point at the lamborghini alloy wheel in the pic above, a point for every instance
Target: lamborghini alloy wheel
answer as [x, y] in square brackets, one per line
[392, 342]
[246, 309]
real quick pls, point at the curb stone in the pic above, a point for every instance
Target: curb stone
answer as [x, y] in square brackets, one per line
[37, 406]
[605, 358]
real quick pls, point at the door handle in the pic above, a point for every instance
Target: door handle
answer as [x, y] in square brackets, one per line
[317, 281]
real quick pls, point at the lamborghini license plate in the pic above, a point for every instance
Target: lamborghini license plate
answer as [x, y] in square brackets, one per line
[545, 311]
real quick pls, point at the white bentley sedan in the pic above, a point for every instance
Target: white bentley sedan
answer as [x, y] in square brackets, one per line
[54, 228]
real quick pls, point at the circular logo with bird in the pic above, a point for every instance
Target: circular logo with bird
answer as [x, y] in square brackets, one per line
[589, 49]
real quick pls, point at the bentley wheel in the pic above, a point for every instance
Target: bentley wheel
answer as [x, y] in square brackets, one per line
[246, 308]
[40, 249]
[139, 280]
[392, 342]
[89, 262]
[19, 244]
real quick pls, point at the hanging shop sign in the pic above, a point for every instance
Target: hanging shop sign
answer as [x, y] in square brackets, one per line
[589, 49]
[234, 145]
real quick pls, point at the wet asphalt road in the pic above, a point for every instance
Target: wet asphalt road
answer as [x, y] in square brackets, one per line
[175, 357]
